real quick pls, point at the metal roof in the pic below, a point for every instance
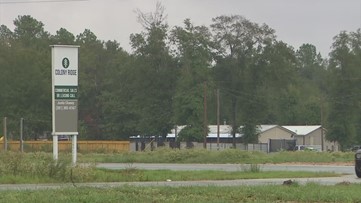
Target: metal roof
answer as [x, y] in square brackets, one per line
[263, 128]
[226, 130]
[211, 135]
[302, 129]
[222, 129]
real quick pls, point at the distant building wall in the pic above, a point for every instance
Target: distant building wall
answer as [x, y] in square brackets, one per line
[274, 133]
[199, 145]
[314, 138]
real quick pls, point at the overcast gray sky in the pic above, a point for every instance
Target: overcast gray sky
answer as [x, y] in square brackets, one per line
[295, 21]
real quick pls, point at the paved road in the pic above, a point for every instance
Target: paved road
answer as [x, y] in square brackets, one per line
[232, 167]
[347, 177]
[253, 182]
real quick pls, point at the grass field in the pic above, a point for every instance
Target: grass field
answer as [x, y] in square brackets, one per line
[210, 194]
[166, 155]
[40, 168]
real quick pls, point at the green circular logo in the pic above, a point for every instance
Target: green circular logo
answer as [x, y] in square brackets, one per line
[65, 62]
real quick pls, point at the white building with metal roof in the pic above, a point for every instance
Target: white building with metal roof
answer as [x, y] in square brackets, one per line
[308, 135]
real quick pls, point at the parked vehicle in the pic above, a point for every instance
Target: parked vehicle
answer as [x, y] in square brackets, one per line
[63, 137]
[358, 163]
[304, 148]
[355, 148]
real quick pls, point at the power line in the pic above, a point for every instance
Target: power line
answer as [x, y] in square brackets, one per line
[38, 1]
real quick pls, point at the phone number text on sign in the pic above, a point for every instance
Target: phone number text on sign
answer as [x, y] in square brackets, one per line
[65, 106]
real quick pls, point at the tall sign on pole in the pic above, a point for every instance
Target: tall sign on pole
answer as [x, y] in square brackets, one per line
[65, 94]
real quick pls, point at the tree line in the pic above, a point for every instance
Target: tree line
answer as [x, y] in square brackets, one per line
[170, 72]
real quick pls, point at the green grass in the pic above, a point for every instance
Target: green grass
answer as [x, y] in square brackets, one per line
[132, 175]
[81, 175]
[165, 155]
[210, 194]
[41, 168]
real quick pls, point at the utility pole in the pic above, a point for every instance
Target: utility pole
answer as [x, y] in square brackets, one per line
[5, 135]
[218, 119]
[175, 136]
[21, 134]
[205, 117]
[322, 136]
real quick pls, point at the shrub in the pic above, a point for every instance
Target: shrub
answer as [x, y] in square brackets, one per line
[251, 168]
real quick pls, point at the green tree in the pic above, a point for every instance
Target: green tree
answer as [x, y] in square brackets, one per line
[312, 84]
[310, 63]
[6, 36]
[63, 37]
[30, 32]
[119, 115]
[239, 42]
[91, 78]
[193, 53]
[345, 60]
[280, 87]
[154, 75]
[25, 79]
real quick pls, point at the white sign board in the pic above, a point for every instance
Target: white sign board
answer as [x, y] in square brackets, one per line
[65, 89]
[64, 94]
[65, 65]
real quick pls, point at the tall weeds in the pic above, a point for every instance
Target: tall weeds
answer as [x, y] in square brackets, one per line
[41, 165]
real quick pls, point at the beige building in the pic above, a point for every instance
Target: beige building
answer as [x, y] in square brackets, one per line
[268, 132]
[312, 135]
[308, 135]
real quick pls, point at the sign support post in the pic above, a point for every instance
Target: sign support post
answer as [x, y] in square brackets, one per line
[73, 148]
[55, 146]
[65, 95]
